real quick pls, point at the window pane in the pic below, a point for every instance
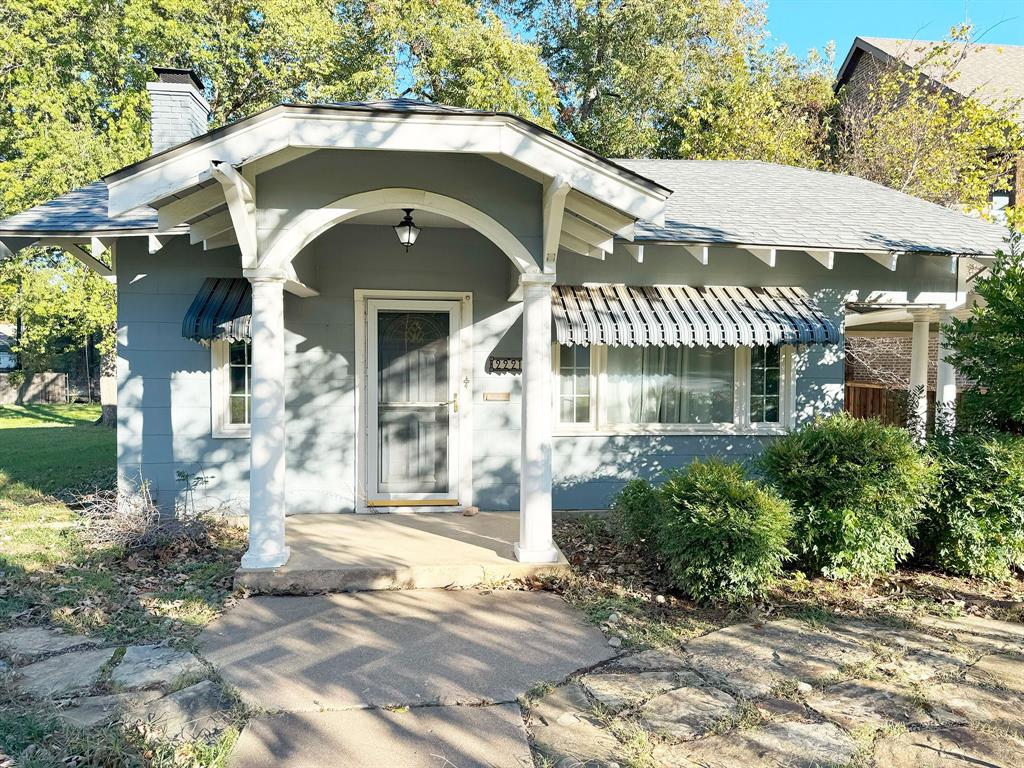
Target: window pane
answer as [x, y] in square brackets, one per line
[772, 356]
[238, 351]
[582, 410]
[565, 411]
[771, 409]
[238, 412]
[771, 381]
[757, 409]
[670, 385]
[237, 379]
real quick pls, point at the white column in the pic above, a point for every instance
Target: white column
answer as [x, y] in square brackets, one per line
[945, 384]
[266, 446]
[917, 410]
[535, 544]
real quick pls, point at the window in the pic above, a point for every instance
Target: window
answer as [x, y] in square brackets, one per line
[765, 384]
[670, 385]
[666, 389]
[574, 385]
[232, 388]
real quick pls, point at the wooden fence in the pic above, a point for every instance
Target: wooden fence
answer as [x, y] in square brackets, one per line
[875, 401]
[39, 388]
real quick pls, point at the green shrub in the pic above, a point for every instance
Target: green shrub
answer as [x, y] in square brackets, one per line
[975, 522]
[636, 511]
[721, 536]
[858, 489]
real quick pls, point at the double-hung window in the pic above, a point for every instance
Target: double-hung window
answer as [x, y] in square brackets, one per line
[232, 388]
[673, 389]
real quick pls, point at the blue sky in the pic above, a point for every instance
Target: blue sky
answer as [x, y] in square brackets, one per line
[806, 24]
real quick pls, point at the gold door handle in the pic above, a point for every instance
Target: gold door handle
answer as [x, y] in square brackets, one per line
[455, 402]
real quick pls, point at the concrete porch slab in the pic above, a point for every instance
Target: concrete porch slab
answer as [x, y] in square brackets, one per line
[422, 737]
[357, 553]
[384, 649]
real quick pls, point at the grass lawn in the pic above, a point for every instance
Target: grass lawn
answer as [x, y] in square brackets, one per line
[51, 573]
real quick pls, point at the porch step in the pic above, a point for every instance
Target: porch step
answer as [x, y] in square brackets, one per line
[362, 553]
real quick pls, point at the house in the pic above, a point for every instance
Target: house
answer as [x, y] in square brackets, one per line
[8, 340]
[993, 73]
[369, 307]
[879, 343]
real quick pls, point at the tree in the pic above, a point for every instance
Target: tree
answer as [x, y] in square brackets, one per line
[988, 347]
[679, 78]
[909, 133]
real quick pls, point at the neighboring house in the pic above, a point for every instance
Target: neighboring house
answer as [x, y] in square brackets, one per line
[8, 338]
[562, 323]
[992, 73]
[879, 344]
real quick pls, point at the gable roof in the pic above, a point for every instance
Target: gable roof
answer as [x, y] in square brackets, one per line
[991, 72]
[754, 203]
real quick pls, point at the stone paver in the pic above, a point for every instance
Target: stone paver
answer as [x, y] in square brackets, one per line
[777, 745]
[90, 711]
[750, 659]
[1001, 670]
[195, 712]
[868, 703]
[398, 648]
[149, 666]
[687, 713]
[653, 660]
[974, 704]
[566, 731]
[421, 737]
[983, 634]
[950, 748]
[919, 655]
[64, 674]
[25, 644]
[619, 690]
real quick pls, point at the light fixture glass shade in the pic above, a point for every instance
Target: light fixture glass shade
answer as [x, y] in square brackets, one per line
[407, 230]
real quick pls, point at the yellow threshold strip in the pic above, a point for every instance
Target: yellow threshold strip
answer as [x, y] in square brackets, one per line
[412, 503]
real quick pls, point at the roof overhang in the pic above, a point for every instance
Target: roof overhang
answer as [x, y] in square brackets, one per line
[504, 138]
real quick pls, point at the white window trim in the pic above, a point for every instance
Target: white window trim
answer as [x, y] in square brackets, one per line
[740, 424]
[220, 390]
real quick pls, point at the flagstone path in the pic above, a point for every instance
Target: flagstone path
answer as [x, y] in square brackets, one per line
[514, 679]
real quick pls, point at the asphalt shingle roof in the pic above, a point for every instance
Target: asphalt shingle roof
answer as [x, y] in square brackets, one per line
[753, 203]
[991, 72]
[83, 210]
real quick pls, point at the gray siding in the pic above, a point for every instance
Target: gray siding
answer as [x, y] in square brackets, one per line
[164, 408]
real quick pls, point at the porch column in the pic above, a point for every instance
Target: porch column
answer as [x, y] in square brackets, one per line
[535, 544]
[917, 407]
[945, 384]
[266, 445]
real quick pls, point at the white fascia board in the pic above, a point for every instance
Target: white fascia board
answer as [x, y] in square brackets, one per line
[601, 215]
[485, 135]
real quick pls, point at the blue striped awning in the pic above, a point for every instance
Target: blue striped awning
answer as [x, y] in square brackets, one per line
[221, 310]
[681, 315]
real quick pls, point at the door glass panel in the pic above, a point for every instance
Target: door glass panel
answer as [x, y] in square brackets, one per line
[412, 397]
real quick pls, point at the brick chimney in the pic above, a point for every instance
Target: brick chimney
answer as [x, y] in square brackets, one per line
[179, 109]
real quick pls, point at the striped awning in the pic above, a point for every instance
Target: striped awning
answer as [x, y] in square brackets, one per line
[221, 310]
[681, 315]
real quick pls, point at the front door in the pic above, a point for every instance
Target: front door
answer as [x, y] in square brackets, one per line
[412, 375]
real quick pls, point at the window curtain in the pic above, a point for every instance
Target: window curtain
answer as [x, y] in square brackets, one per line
[670, 385]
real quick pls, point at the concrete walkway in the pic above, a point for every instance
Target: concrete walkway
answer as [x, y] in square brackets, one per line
[315, 664]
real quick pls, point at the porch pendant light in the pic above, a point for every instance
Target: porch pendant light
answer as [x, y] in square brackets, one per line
[407, 230]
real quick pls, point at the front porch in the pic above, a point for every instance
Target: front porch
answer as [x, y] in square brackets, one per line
[356, 553]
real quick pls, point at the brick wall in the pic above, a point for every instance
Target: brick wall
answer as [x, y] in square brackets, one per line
[885, 360]
[178, 113]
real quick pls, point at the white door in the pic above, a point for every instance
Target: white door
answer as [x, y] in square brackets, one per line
[412, 401]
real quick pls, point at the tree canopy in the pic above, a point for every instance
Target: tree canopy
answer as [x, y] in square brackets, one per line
[645, 78]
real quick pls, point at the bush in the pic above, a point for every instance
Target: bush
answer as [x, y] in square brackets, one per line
[975, 522]
[858, 489]
[636, 511]
[723, 536]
